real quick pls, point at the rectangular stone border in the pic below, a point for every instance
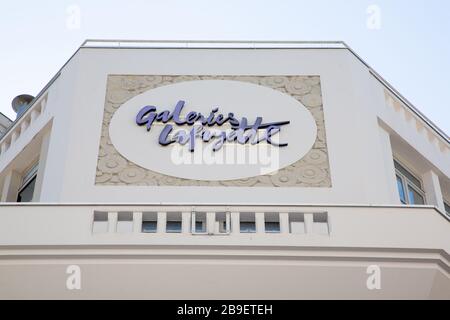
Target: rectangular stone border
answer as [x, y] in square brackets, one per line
[313, 170]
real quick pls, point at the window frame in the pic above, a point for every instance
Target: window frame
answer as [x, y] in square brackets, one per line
[447, 207]
[247, 230]
[270, 230]
[194, 221]
[27, 179]
[404, 194]
[149, 222]
[408, 184]
[226, 223]
[172, 230]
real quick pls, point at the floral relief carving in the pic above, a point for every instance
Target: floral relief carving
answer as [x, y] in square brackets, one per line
[313, 170]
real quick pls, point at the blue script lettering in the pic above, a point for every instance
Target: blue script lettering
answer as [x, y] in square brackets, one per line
[241, 131]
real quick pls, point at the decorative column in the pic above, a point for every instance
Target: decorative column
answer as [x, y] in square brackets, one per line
[137, 222]
[309, 222]
[112, 222]
[235, 223]
[162, 221]
[186, 222]
[432, 189]
[41, 167]
[389, 169]
[259, 221]
[284, 223]
[11, 186]
[211, 222]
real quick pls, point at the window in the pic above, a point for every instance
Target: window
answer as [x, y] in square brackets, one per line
[125, 222]
[26, 191]
[409, 187]
[272, 227]
[173, 227]
[100, 222]
[173, 224]
[247, 222]
[222, 223]
[447, 208]
[203, 223]
[149, 222]
[297, 223]
[149, 226]
[248, 227]
[271, 222]
[199, 222]
[200, 226]
[401, 189]
[320, 223]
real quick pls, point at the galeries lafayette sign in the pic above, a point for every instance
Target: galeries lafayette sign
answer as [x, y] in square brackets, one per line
[241, 131]
[212, 118]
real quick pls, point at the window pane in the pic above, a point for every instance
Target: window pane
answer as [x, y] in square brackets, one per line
[272, 227]
[30, 174]
[415, 197]
[26, 194]
[173, 227]
[401, 190]
[407, 174]
[447, 208]
[223, 227]
[221, 222]
[200, 222]
[149, 226]
[248, 227]
[200, 226]
[100, 222]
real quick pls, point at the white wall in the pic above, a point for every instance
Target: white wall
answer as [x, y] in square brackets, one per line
[351, 103]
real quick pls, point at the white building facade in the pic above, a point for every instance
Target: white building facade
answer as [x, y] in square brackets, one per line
[223, 171]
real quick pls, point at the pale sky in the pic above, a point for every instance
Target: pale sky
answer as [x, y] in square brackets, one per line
[409, 45]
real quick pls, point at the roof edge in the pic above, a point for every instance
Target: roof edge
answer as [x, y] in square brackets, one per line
[6, 117]
[260, 44]
[234, 44]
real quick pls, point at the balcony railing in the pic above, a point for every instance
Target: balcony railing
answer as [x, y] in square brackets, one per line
[265, 225]
[23, 124]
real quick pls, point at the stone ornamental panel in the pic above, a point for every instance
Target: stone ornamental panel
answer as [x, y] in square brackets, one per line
[312, 170]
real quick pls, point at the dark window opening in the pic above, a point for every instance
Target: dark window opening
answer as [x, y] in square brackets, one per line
[149, 226]
[26, 193]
